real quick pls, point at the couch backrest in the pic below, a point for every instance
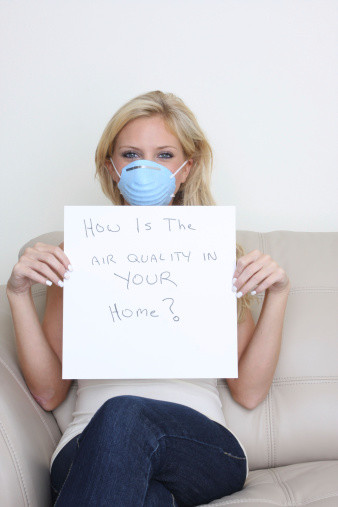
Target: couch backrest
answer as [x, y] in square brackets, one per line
[298, 420]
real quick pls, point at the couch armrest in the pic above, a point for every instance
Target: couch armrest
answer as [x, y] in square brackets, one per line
[28, 434]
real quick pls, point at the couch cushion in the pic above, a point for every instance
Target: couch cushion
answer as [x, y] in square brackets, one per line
[314, 484]
[298, 420]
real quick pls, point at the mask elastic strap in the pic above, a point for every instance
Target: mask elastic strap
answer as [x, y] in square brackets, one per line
[114, 166]
[179, 168]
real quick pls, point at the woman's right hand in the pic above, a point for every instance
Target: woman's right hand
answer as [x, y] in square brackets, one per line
[41, 263]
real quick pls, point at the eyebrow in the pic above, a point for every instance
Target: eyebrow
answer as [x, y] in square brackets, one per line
[159, 147]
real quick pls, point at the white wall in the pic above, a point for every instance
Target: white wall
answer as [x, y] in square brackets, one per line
[260, 75]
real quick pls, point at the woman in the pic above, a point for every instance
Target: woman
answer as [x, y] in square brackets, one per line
[148, 443]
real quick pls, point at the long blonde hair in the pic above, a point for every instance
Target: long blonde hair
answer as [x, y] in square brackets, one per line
[182, 123]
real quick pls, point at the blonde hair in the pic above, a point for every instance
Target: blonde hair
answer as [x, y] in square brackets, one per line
[182, 123]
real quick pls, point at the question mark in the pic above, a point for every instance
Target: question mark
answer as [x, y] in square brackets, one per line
[175, 318]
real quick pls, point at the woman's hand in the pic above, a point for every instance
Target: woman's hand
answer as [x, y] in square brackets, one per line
[257, 272]
[42, 263]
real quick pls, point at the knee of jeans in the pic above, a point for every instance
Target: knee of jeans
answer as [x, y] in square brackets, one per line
[120, 407]
[232, 445]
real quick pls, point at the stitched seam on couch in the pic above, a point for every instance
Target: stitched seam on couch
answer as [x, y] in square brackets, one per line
[39, 291]
[313, 289]
[271, 448]
[284, 486]
[307, 377]
[305, 382]
[28, 395]
[293, 290]
[318, 497]
[246, 501]
[266, 411]
[15, 463]
[262, 242]
[282, 380]
[272, 502]
[42, 291]
[273, 433]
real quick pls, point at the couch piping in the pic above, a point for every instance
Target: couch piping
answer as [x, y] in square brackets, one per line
[272, 502]
[272, 430]
[284, 487]
[24, 390]
[285, 383]
[15, 462]
[315, 498]
[247, 501]
[42, 291]
[313, 289]
[268, 414]
[268, 428]
[282, 381]
[261, 242]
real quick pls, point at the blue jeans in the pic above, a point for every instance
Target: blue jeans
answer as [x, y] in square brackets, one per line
[138, 451]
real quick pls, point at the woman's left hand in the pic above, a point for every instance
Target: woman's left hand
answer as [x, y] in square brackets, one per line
[257, 272]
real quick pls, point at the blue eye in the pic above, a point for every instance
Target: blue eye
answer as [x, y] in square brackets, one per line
[167, 153]
[132, 154]
[128, 153]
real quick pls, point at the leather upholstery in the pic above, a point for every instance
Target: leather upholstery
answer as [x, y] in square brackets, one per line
[291, 438]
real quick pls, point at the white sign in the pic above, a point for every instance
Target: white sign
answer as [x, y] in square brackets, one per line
[151, 294]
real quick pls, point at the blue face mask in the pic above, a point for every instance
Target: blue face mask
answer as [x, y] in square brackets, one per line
[147, 183]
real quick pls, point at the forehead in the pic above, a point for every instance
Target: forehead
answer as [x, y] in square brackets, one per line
[151, 131]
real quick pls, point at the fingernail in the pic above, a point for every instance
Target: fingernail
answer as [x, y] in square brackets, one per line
[60, 283]
[253, 292]
[234, 289]
[70, 267]
[48, 282]
[239, 294]
[66, 275]
[234, 280]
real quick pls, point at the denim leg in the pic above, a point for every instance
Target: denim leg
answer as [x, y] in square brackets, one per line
[158, 495]
[61, 465]
[133, 441]
[197, 472]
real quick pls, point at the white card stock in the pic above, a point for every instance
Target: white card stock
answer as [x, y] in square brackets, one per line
[150, 292]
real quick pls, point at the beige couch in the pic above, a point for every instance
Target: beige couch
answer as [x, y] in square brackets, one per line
[291, 438]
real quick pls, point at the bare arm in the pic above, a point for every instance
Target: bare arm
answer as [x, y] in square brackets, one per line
[259, 351]
[38, 358]
[259, 346]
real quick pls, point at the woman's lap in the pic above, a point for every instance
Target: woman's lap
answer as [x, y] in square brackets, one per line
[169, 449]
[61, 465]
